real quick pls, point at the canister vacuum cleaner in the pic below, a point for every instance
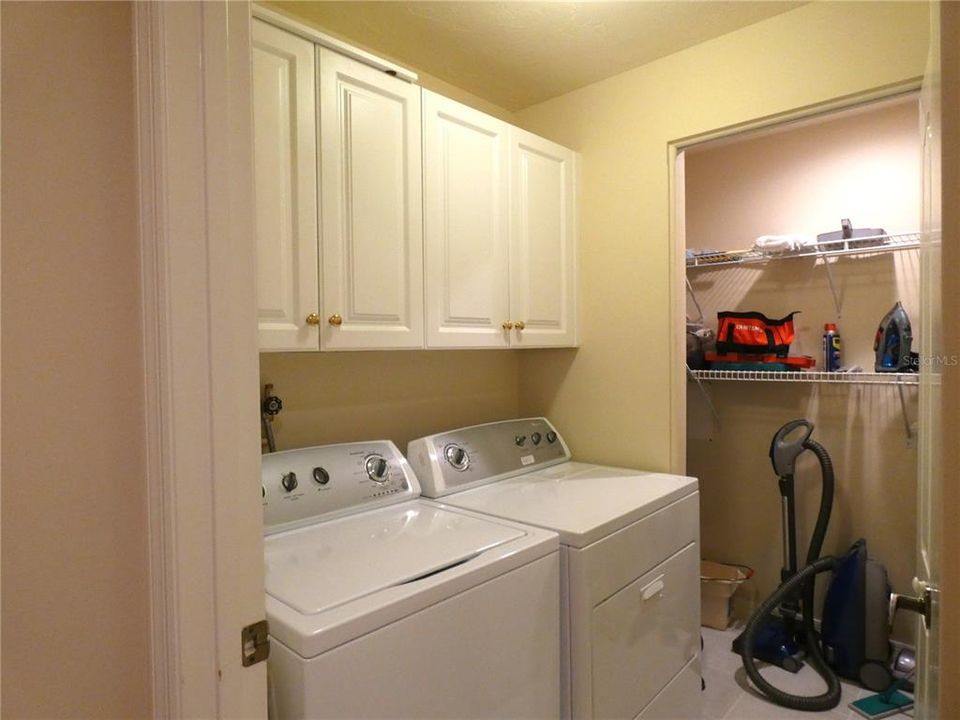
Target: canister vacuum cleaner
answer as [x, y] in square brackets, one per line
[854, 641]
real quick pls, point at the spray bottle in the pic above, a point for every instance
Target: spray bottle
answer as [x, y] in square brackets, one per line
[831, 348]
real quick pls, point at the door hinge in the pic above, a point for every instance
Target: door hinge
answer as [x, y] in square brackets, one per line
[255, 643]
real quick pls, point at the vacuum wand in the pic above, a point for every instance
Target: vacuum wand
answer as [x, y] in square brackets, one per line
[789, 442]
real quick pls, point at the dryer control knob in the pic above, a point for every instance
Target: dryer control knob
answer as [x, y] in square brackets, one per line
[535, 438]
[321, 476]
[551, 437]
[377, 468]
[456, 456]
[289, 481]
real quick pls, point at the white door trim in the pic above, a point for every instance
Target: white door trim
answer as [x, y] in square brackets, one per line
[200, 355]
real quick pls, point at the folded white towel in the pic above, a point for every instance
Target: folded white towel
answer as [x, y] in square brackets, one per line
[783, 243]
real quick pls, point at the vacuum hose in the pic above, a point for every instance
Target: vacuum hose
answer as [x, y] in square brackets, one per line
[802, 582]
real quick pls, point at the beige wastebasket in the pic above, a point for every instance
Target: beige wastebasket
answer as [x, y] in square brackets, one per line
[718, 583]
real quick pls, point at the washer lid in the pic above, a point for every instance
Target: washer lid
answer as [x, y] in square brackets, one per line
[579, 501]
[316, 568]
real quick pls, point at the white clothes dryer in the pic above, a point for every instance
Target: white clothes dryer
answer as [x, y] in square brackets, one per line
[381, 604]
[629, 559]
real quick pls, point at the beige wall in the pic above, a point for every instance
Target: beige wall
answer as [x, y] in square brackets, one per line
[398, 395]
[613, 396]
[339, 397]
[802, 178]
[75, 614]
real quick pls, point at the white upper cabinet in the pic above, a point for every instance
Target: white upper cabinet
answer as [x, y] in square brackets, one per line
[499, 232]
[390, 217]
[371, 215]
[543, 247]
[285, 163]
[466, 176]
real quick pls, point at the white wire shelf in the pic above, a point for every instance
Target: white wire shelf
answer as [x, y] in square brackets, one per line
[809, 376]
[829, 248]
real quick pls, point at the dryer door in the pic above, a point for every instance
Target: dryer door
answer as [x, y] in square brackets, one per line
[644, 635]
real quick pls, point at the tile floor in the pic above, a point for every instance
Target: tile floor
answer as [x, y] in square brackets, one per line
[729, 695]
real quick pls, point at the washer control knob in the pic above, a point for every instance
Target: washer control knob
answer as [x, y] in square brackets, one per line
[377, 468]
[289, 481]
[320, 476]
[520, 440]
[263, 492]
[456, 456]
[535, 438]
[551, 437]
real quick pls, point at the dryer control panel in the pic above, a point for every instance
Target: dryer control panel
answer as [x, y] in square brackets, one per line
[480, 454]
[319, 483]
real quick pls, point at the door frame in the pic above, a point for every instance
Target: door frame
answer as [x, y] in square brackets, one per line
[194, 125]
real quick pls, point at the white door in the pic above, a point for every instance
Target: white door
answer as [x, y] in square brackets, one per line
[931, 391]
[371, 228]
[285, 176]
[543, 243]
[466, 222]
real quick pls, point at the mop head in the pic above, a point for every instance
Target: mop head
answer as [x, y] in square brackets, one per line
[882, 705]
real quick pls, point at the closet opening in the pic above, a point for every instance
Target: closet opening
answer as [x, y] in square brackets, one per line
[761, 225]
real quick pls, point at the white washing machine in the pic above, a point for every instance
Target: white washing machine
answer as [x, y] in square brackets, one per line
[629, 559]
[381, 604]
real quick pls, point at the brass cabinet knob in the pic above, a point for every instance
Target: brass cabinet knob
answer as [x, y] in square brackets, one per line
[313, 319]
[335, 320]
[519, 324]
[508, 326]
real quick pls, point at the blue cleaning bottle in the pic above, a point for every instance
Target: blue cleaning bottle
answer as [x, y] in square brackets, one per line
[831, 348]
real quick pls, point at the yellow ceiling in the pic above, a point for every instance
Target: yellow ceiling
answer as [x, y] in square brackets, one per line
[517, 54]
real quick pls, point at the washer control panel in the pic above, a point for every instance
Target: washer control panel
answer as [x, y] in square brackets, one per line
[471, 456]
[302, 486]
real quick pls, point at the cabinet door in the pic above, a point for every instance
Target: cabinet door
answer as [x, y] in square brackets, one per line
[543, 246]
[371, 227]
[466, 221]
[285, 165]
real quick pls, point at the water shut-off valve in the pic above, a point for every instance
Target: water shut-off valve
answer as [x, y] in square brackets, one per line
[270, 407]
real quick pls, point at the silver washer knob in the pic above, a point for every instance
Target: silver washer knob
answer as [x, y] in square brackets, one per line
[457, 457]
[377, 468]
